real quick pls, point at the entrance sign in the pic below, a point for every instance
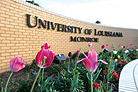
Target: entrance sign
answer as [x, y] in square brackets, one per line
[24, 28]
[48, 25]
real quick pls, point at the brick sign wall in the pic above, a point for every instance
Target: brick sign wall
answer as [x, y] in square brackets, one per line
[21, 38]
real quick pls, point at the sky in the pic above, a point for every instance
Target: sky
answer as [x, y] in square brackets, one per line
[115, 13]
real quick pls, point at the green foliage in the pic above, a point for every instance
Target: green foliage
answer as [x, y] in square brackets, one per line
[1, 83]
[95, 76]
[69, 77]
[74, 83]
[65, 81]
[32, 2]
[25, 85]
[45, 85]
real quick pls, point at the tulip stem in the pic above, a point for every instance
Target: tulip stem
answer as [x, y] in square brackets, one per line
[109, 71]
[69, 64]
[75, 65]
[8, 81]
[43, 68]
[35, 80]
[77, 57]
[108, 77]
[43, 73]
[91, 81]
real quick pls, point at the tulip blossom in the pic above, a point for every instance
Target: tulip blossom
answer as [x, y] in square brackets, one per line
[125, 61]
[102, 46]
[107, 45]
[135, 45]
[77, 52]
[114, 72]
[90, 44]
[104, 72]
[126, 51]
[119, 45]
[16, 64]
[121, 63]
[136, 49]
[118, 56]
[134, 55]
[115, 52]
[91, 61]
[44, 59]
[116, 76]
[130, 55]
[45, 46]
[116, 60]
[70, 54]
[123, 46]
[96, 85]
[130, 43]
[127, 46]
[40, 56]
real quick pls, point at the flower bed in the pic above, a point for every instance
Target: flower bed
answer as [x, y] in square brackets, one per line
[71, 75]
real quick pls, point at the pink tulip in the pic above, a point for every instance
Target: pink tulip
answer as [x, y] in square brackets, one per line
[16, 64]
[40, 56]
[107, 45]
[90, 44]
[90, 62]
[77, 52]
[119, 45]
[45, 46]
[130, 43]
[102, 46]
[135, 45]
[127, 45]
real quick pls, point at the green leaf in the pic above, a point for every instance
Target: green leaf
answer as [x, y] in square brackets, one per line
[88, 76]
[47, 80]
[69, 68]
[101, 87]
[95, 76]
[74, 83]
[111, 88]
[45, 83]
[58, 75]
[2, 90]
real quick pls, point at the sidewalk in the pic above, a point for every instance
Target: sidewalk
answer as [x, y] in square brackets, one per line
[128, 81]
